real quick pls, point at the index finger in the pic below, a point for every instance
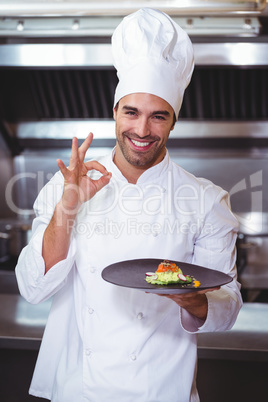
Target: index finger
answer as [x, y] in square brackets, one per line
[90, 165]
[84, 147]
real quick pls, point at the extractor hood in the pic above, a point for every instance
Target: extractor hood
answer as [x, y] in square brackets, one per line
[56, 68]
[99, 18]
[123, 7]
[103, 26]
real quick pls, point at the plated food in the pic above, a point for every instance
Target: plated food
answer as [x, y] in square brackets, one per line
[168, 273]
[132, 274]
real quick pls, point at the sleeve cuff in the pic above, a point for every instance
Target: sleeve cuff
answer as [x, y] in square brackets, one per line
[223, 307]
[34, 285]
[190, 323]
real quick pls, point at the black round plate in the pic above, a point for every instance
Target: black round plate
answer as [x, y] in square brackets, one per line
[131, 274]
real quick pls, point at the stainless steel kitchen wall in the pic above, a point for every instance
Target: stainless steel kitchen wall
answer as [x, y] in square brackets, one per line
[57, 80]
[7, 172]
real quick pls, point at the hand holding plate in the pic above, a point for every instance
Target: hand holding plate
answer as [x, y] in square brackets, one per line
[194, 302]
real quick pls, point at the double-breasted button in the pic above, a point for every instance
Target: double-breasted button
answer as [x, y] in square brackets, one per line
[133, 357]
[140, 316]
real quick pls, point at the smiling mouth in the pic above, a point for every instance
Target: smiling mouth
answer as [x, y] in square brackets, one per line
[140, 144]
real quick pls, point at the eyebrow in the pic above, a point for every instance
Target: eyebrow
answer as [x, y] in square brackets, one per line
[164, 112]
[134, 109]
[156, 112]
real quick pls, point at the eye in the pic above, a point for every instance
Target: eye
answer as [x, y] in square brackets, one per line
[159, 117]
[130, 113]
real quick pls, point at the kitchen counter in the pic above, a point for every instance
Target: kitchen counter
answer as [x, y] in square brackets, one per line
[22, 326]
[247, 340]
[21, 323]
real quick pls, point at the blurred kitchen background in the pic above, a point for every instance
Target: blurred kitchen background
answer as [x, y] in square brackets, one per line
[57, 81]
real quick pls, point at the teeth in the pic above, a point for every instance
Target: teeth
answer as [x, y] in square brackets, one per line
[140, 144]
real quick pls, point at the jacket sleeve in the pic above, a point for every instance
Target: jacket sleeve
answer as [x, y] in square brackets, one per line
[34, 286]
[215, 248]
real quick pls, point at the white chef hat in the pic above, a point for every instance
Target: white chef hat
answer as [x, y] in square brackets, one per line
[152, 54]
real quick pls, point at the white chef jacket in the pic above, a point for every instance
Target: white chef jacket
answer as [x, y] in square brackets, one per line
[104, 342]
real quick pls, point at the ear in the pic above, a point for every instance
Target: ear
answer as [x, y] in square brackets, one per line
[114, 112]
[174, 122]
[173, 125]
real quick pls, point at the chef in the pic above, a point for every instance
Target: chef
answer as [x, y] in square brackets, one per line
[104, 342]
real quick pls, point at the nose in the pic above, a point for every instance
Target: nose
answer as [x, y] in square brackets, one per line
[143, 127]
